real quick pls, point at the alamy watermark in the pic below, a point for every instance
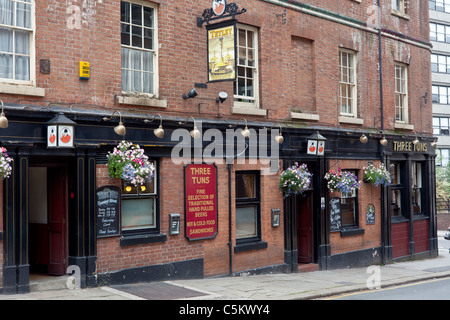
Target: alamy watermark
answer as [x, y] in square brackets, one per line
[374, 280]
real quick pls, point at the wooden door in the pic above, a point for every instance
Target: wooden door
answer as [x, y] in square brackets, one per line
[57, 220]
[305, 229]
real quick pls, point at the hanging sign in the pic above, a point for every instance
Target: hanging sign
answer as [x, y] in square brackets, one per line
[200, 201]
[221, 52]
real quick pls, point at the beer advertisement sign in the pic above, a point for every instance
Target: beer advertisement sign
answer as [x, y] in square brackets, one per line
[221, 52]
[200, 201]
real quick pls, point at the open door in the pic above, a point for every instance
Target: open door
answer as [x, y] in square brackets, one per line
[305, 229]
[57, 220]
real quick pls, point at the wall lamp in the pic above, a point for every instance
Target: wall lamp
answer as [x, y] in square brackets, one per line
[363, 138]
[191, 94]
[383, 140]
[222, 97]
[245, 132]
[416, 140]
[195, 133]
[120, 128]
[159, 132]
[433, 144]
[279, 138]
[3, 119]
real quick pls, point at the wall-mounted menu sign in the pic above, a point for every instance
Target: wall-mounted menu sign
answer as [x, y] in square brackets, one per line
[200, 189]
[108, 211]
[335, 214]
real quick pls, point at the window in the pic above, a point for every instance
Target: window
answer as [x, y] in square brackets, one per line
[440, 63]
[349, 209]
[139, 48]
[247, 207]
[139, 207]
[401, 94]
[347, 83]
[439, 5]
[441, 126]
[440, 94]
[16, 40]
[399, 5]
[246, 83]
[396, 191]
[442, 157]
[416, 174]
[439, 32]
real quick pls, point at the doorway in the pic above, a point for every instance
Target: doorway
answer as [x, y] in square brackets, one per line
[305, 240]
[48, 219]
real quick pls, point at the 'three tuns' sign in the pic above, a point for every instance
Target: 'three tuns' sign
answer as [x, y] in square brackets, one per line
[200, 201]
[408, 146]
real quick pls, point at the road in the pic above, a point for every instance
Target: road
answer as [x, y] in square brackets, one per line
[436, 289]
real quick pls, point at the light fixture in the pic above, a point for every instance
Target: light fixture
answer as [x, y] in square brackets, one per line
[383, 140]
[316, 144]
[245, 132]
[60, 132]
[222, 97]
[3, 119]
[191, 94]
[279, 138]
[120, 128]
[159, 132]
[416, 141]
[433, 144]
[363, 138]
[195, 133]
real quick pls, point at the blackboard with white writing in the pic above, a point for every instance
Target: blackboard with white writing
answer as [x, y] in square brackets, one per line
[335, 214]
[108, 211]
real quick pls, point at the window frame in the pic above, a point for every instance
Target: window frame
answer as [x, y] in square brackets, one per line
[401, 111]
[254, 100]
[399, 6]
[145, 234]
[249, 202]
[353, 196]
[31, 46]
[352, 85]
[397, 187]
[154, 51]
[417, 186]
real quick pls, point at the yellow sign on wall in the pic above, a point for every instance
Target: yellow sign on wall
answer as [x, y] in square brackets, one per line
[84, 70]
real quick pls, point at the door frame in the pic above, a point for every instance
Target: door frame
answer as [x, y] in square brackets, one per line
[305, 222]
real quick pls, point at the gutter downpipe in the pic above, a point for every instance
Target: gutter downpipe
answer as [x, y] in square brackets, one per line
[383, 206]
[230, 253]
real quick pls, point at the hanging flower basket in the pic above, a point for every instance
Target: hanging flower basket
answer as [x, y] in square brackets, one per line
[342, 181]
[128, 162]
[5, 164]
[377, 176]
[295, 179]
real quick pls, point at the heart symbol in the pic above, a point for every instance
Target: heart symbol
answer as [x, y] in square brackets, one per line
[65, 138]
[52, 139]
[312, 148]
[320, 149]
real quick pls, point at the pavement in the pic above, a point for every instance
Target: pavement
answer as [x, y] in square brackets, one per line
[279, 286]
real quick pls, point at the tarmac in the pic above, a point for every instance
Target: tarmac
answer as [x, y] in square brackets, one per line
[279, 286]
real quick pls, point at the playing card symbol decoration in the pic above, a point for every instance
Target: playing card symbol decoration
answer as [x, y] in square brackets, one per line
[218, 7]
[316, 144]
[60, 132]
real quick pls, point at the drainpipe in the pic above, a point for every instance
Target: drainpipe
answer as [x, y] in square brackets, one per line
[230, 244]
[383, 198]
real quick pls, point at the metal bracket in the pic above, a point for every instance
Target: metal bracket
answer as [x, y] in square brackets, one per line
[231, 10]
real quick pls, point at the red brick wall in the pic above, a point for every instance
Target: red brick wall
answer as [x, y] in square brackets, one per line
[368, 194]
[111, 256]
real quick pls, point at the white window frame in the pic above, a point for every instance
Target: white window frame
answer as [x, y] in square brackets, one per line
[401, 93]
[237, 98]
[154, 50]
[348, 81]
[398, 5]
[32, 52]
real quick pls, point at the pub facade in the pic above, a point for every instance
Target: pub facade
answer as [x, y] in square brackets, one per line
[148, 139]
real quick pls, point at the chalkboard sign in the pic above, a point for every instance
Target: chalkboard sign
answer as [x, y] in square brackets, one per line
[108, 211]
[370, 214]
[335, 214]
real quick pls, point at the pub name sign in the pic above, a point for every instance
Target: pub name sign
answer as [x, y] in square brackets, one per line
[408, 146]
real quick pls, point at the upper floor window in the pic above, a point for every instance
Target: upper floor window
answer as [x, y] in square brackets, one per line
[139, 47]
[16, 40]
[440, 94]
[246, 83]
[439, 32]
[439, 5]
[441, 126]
[401, 93]
[347, 83]
[399, 5]
[440, 63]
